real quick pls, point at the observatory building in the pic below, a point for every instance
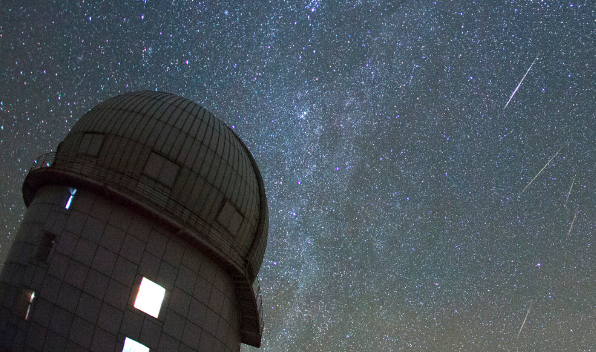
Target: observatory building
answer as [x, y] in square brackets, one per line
[145, 230]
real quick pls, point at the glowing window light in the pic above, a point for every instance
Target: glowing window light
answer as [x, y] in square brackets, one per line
[72, 193]
[150, 297]
[131, 345]
[31, 297]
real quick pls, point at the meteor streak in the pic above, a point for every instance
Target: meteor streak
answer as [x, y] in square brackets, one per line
[570, 188]
[520, 329]
[539, 172]
[520, 82]
[572, 222]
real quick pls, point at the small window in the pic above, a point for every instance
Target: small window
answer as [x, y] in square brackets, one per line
[131, 345]
[45, 246]
[150, 297]
[24, 302]
[161, 169]
[69, 201]
[91, 144]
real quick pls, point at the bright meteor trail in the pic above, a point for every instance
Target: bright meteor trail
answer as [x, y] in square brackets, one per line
[572, 222]
[520, 82]
[570, 188]
[539, 172]
[520, 329]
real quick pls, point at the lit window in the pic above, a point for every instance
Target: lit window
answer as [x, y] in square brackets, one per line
[150, 297]
[69, 201]
[23, 305]
[31, 297]
[131, 345]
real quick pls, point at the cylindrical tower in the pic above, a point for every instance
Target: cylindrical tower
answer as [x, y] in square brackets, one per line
[145, 230]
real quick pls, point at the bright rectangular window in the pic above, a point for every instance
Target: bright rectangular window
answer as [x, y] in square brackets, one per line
[131, 345]
[150, 297]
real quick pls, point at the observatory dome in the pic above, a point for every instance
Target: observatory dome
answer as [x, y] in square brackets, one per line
[170, 155]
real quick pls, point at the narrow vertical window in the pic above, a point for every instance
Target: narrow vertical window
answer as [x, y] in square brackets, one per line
[24, 302]
[131, 345]
[72, 194]
[31, 298]
[150, 297]
[45, 246]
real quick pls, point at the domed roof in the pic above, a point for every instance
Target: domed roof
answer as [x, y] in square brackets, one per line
[173, 155]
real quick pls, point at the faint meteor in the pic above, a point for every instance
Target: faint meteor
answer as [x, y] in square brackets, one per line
[568, 193]
[520, 329]
[520, 82]
[539, 172]
[572, 222]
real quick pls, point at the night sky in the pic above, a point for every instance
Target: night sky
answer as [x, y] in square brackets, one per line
[396, 177]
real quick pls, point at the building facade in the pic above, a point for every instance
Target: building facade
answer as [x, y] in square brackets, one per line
[144, 231]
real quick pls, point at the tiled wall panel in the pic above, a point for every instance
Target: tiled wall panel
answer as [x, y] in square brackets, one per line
[85, 292]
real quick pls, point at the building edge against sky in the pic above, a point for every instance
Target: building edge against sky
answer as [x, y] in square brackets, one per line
[145, 230]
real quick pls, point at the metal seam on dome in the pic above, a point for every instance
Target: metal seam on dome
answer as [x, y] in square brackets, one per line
[230, 158]
[153, 111]
[130, 104]
[208, 132]
[194, 124]
[149, 104]
[168, 104]
[188, 121]
[131, 122]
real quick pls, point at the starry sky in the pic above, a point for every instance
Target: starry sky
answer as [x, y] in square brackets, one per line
[420, 197]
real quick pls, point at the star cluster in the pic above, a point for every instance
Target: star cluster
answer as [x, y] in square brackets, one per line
[408, 208]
